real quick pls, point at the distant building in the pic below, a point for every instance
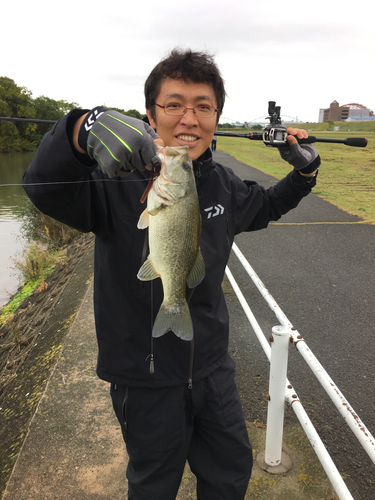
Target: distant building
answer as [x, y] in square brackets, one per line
[338, 113]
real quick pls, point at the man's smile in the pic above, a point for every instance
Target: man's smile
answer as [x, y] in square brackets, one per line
[187, 138]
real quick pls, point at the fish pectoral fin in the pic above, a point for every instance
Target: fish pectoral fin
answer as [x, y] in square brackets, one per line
[144, 220]
[155, 210]
[176, 319]
[147, 272]
[198, 272]
[154, 204]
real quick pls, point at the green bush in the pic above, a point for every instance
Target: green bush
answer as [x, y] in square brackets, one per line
[35, 262]
[36, 226]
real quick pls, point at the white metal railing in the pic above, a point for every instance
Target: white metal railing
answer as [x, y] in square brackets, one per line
[276, 403]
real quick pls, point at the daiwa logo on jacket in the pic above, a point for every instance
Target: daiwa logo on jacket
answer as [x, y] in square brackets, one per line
[214, 211]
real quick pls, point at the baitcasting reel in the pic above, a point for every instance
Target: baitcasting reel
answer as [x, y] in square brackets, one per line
[274, 134]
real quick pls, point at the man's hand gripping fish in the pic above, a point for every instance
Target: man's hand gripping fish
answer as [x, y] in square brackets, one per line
[174, 222]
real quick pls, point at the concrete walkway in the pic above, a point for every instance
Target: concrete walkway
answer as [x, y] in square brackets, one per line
[74, 448]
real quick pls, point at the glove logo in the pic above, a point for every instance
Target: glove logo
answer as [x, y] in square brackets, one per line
[214, 211]
[91, 119]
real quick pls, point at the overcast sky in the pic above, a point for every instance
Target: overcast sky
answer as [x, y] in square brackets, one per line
[301, 54]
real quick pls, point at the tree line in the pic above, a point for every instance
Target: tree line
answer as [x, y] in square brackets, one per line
[17, 102]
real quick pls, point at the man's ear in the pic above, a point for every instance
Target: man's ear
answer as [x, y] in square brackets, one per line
[150, 119]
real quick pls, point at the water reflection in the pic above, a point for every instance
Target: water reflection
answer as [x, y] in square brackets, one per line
[12, 167]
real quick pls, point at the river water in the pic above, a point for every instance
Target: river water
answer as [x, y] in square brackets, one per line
[12, 167]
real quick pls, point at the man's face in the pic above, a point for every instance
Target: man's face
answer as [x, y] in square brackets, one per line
[185, 130]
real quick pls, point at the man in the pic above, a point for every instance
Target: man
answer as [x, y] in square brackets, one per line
[187, 407]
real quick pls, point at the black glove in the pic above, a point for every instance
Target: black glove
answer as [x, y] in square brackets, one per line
[303, 157]
[118, 143]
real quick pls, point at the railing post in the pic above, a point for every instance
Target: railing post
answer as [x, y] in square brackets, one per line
[276, 399]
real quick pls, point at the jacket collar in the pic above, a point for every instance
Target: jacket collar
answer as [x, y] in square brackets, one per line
[204, 164]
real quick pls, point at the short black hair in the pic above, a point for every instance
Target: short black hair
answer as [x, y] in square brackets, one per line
[187, 65]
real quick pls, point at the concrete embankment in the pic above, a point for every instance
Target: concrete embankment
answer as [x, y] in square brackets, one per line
[40, 324]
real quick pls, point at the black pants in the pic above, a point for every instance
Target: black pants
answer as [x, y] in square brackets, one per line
[166, 426]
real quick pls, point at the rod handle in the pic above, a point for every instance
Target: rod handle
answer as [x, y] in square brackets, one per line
[359, 142]
[309, 140]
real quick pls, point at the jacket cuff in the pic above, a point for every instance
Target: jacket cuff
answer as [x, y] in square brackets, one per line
[311, 167]
[71, 120]
[303, 183]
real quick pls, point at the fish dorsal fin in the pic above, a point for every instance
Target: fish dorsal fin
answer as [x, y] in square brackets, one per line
[144, 220]
[196, 275]
[147, 272]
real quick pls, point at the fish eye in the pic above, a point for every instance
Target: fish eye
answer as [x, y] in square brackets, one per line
[186, 165]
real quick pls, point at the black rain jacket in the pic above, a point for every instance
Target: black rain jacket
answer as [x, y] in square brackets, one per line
[70, 188]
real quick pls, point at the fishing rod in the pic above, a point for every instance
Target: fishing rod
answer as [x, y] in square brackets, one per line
[27, 120]
[275, 134]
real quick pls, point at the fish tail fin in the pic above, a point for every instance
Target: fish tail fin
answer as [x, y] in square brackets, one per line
[176, 319]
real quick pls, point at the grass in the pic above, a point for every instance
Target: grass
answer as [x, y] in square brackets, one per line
[346, 176]
[25, 292]
[47, 239]
[35, 264]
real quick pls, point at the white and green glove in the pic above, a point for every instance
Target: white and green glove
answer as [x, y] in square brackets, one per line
[118, 143]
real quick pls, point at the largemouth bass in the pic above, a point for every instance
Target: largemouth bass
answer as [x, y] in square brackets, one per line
[174, 221]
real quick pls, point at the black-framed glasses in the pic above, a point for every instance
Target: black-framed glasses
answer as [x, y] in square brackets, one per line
[200, 111]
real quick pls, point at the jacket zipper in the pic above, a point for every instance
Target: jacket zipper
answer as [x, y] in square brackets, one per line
[191, 359]
[191, 356]
[125, 408]
[198, 174]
